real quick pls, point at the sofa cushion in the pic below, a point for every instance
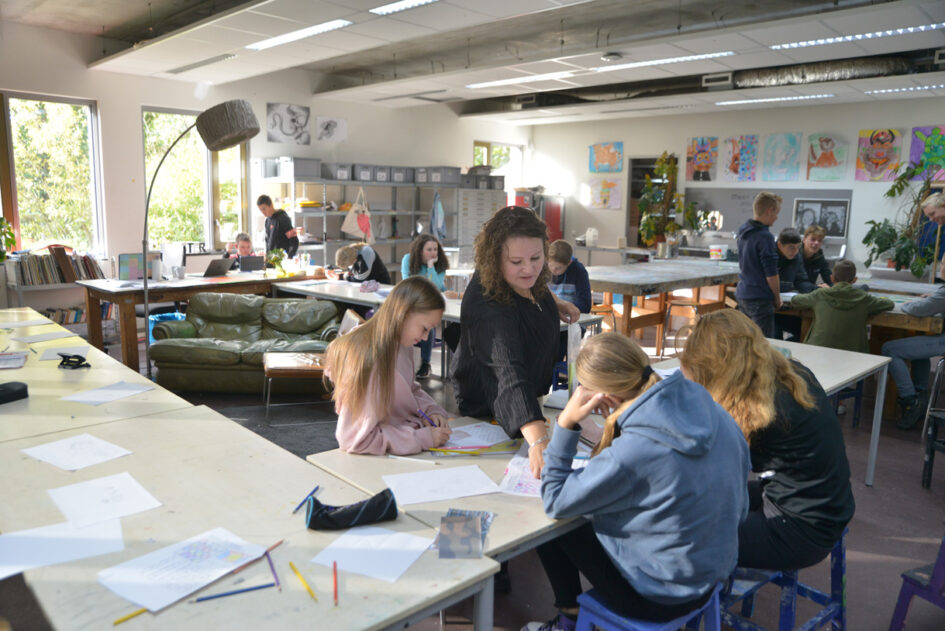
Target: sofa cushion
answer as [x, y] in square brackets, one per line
[291, 318]
[226, 316]
[210, 352]
[253, 353]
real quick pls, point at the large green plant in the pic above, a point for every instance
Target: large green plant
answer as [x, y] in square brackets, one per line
[662, 209]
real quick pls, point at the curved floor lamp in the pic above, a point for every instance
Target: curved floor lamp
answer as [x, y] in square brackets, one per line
[222, 126]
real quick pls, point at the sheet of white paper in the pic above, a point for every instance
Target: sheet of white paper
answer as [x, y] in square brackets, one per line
[481, 434]
[42, 337]
[76, 452]
[430, 486]
[518, 479]
[786, 296]
[164, 576]
[102, 498]
[557, 399]
[666, 372]
[12, 360]
[59, 543]
[376, 552]
[17, 324]
[53, 353]
[109, 393]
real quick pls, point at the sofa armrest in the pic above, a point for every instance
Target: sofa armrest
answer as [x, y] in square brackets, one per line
[174, 329]
[328, 331]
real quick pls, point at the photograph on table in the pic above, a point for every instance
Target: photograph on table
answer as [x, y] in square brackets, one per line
[831, 214]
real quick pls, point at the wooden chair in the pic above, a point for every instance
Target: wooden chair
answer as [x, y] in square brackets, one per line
[926, 582]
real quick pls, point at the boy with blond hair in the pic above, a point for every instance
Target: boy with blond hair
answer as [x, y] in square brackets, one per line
[758, 291]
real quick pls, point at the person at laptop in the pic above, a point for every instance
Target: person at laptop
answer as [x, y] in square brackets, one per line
[279, 230]
[244, 247]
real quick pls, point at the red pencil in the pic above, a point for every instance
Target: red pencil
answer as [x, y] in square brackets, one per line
[334, 580]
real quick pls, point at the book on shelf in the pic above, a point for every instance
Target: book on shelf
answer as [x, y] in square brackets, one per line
[27, 269]
[76, 315]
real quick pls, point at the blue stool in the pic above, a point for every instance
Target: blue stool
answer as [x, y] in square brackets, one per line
[745, 583]
[595, 613]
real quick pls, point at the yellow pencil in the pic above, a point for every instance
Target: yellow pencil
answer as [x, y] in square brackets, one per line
[456, 451]
[304, 583]
[129, 616]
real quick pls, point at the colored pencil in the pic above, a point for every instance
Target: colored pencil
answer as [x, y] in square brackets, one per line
[305, 499]
[248, 563]
[304, 582]
[412, 459]
[232, 592]
[129, 616]
[423, 414]
[272, 567]
[456, 451]
[334, 580]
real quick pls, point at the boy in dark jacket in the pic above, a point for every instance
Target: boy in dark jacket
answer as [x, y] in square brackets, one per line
[815, 263]
[758, 291]
[791, 263]
[568, 276]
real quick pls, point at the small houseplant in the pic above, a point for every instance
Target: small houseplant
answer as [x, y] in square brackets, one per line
[276, 258]
[7, 239]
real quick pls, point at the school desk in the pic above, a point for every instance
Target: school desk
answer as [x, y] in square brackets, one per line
[209, 472]
[835, 370]
[127, 294]
[905, 287]
[44, 411]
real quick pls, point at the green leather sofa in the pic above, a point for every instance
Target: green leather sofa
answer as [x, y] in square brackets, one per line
[220, 346]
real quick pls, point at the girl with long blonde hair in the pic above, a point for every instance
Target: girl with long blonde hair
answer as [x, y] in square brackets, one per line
[380, 405]
[664, 490]
[800, 507]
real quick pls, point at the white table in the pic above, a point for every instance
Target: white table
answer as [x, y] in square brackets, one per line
[835, 370]
[210, 472]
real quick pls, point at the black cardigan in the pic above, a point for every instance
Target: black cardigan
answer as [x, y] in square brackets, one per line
[505, 357]
[817, 265]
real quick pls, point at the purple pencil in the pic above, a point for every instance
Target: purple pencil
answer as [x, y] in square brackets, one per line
[272, 567]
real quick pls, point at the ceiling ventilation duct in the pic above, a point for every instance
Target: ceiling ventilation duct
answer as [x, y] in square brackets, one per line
[821, 72]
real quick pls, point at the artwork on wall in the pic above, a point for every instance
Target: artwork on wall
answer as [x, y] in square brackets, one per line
[606, 157]
[826, 157]
[831, 214]
[329, 129]
[288, 123]
[702, 154]
[740, 155]
[603, 193]
[928, 143]
[782, 161]
[878, 154]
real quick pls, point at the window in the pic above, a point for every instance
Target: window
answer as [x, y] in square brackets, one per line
[50, 192]
[504, 159]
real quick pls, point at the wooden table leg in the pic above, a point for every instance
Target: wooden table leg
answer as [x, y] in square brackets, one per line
[659, 327]
[128, 331]
[627, 315]
[93, 318]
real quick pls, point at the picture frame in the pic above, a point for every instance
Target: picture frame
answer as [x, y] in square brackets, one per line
[832, 214]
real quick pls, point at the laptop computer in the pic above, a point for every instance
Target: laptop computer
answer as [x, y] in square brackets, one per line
[218, 267]
[252, 263]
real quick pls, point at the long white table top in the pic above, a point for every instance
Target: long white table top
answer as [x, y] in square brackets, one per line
[210, 472]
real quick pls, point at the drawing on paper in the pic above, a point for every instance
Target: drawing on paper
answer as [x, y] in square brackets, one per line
[606, 157]
[782, 161]
[928, 145]
[288, 123]
[702, 154]
[328, 129]
[739, 158]
[826, 158]
[878, 155]
[603, 193]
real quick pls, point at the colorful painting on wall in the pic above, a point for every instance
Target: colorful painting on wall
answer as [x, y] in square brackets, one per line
[606, 157]
[826, 158]
[739, 158]
[603, 193]
[928, 144]
[878, 154]
[702, 154]
[782, 161]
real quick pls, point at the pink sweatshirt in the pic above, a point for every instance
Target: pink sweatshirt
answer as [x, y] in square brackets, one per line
[403, 431]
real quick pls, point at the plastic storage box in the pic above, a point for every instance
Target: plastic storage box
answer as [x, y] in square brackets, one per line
[482, 182]
[467, 181]
[437, 175]
[497, 182]
[401, 175]
[382, 174]
[299, 168]
[364, 172]
[336, 171]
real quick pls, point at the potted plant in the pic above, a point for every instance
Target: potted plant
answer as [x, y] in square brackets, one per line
[663, 211]
[276, 258]
[7, 239]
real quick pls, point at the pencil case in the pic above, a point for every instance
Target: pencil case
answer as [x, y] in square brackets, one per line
[381, 507]
[13, 391]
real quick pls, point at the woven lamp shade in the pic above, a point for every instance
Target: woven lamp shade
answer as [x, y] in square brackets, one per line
[227, 124]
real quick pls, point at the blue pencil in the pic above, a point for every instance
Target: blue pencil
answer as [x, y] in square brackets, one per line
[429, 420]
[304, 499]
[235, 591]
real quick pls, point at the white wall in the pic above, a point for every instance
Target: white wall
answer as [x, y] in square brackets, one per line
[54, 63]
[560, 154]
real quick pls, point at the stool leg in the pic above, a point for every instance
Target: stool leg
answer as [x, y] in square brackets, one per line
[930, 439]
[838, 584]
[268, 389]
[788, 601]
[906, 593]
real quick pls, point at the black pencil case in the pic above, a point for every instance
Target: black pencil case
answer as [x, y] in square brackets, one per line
[13, 391]
[381, 507]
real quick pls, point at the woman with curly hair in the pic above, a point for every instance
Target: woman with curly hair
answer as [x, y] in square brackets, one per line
[802, 500]
[509, 339]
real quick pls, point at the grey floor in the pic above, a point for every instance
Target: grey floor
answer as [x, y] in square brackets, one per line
[897, 526]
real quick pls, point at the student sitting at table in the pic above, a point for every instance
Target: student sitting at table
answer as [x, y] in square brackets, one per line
[793, 279]
[815, 263]
[664, 490]
[381, 407]
[244, 247]
[426, 258]
[359, 262]
[569, 279]
[841, 311]
[802, 499]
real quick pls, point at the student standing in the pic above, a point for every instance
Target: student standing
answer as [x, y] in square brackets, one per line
[664, 490]
[426, 258]
[799, 508]
[279, 230]
[380, 405]
[510, 325]
[759, 288]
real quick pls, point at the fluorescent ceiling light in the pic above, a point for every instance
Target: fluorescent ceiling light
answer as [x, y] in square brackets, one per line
[528, 78]
[201, 63]
[300, 34]
[660, 62]
[913, 88]
[907, 30]
[403, 5]
[776, 99]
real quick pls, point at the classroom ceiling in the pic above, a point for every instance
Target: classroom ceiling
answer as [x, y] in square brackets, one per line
[433, 53]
